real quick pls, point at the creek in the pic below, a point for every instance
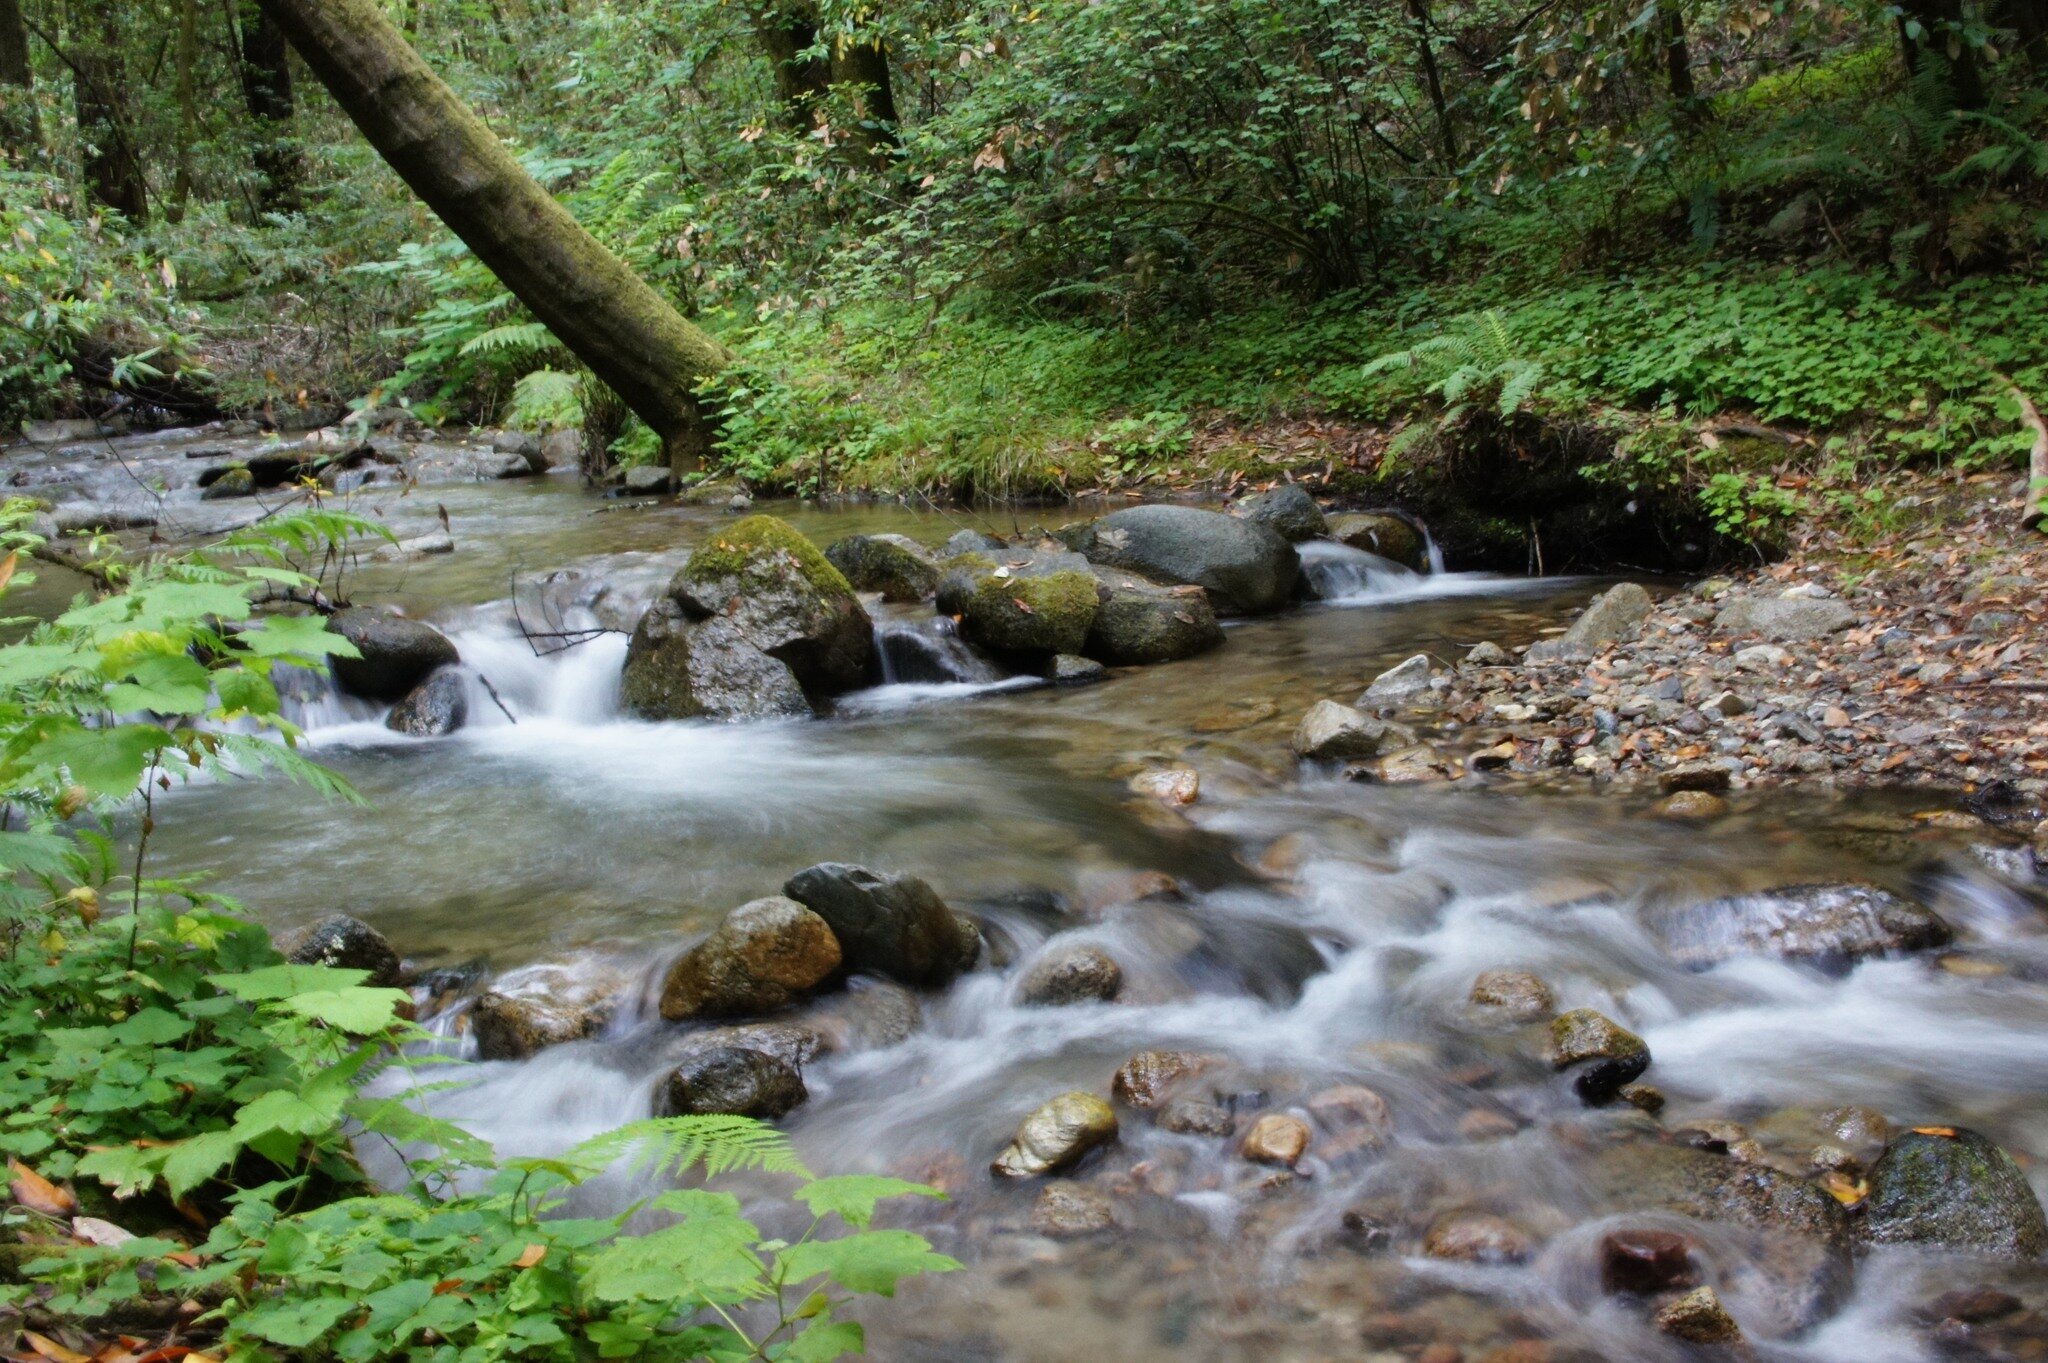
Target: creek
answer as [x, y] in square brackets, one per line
[1316, 932]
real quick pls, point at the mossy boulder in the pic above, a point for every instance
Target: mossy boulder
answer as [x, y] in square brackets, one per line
[233, 482]
[1138, 623]
[785, 598]
[1953, 1189]
[679, 668]
[1379, 532]
[1032, 615]
[898, 567]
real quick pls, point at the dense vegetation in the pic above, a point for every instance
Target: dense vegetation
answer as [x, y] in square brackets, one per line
[1025, 249]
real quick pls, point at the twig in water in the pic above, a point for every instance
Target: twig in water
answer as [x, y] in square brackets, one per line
[496, 698]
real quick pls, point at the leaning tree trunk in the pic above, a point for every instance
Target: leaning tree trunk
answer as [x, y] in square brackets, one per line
[608, 317]
[266, 70]
[17, 82]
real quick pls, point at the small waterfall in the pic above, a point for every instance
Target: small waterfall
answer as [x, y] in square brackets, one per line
[577, 684]
[1433, 553]
[928, 651]
[1337, 572]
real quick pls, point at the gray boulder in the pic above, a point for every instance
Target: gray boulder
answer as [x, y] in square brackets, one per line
[971, 542]
[678, 668]
[397, 654]
[1403, 681]
[1246, 568]
[1831, 926]
[1784, 618]
[764, 956]
[888, 925]
[1376, 532]
[439, 705]
[347, 944]
[1286, 510]
[645, 480]
[1615, 615]
[731, 1080]
[1138, 623]
[894, 565]
[1330, 732]
[1952, 1189]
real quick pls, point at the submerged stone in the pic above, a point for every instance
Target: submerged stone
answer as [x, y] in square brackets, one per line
[1953, 1189]
[1068, 975]
[514, 1027]
[1831, 926]
[732, 1080]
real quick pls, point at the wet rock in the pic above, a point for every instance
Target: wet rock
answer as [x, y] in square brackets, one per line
[397, 654]
[894, 565]
[1699, 1318]
[1148, 1078]
[888, 925]
[563, 448]
[1694, 777]
[728, 1079]
[1357, 1119]
[439, 705]
[793, 1043]
[1032, 615]
[1390, 537]
[1799, 1263]
[1193, 1117]
[514, 1027]
[1275, 1139]
[679, 668]
[1334, 732]
[1644, 1261]
[1065, 1210]
[784, 598]
[707, 491]
[1168, 785]
[1784, 619]
[1616, 614]
[971, 542]
[1416, 764]
[1513, 995]
[1643, 1097]
[1287, 510]
[346, 944]
[1953, 1189]
[1398, 683]
[1606, 1054]
[1973, 1305]
[1138, 624]
[764, 956]
[1057, 1136]
[1069, 975]
[1693, 806]
[1830, 926]
[1070, 669]
[869, 1014]
[1479, 1238]
[648, 480]
[1246, 568]
[1487, 654]
[234, 482]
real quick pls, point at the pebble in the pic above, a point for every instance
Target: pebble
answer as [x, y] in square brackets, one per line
[1699, 1318]
[1478, 1237]
[1514, 995]
[1276, 1139]
[1693, 806]
[1147, 1078]
[1065, 1210]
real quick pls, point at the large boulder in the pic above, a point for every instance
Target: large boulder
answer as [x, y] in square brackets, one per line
[888, 925]
[1793, 1263]
[1138, 623]
[1830, 926]
[1286, 510]
[347, 944]
[515, 1026]
[679, 668]
[898, 567]
[439, 705]
[1031, 615]
[397, 654]
[1784, 618]
[764, 956]
[1246, 568]
[1952, 1189]
[731, 1080]
[785, 598]
[1376, 532]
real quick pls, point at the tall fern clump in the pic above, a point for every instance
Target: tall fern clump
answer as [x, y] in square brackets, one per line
[162, 1065]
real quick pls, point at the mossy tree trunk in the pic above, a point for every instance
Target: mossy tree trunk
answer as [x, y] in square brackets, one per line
[608, 317]
[265, 64]
[859, 67]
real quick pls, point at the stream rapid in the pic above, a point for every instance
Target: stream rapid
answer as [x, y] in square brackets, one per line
[1304, 931]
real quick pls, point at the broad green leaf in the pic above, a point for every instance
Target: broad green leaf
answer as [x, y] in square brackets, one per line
[823, 1341]
[866, 1261]
[853, 1196]
[305, 1112]
[243, 691]
[196, 1159]
[299, 636]
[358, 1011]
[152, 1027]
[105, 761]
[295, 1323]
[170, 684]
[283, 981]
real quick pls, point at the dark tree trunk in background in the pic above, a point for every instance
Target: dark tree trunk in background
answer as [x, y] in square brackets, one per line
[608, 317]
[1433, 78]
[786, 32]
[187, 94]
[266, 70]
[862, 70]
[17, 82]
[2028, 19]
[1678, 58]
[800, 81]
[1941, 22]
[113, 171]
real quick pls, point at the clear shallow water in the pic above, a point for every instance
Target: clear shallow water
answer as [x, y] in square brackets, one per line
[1326, 933]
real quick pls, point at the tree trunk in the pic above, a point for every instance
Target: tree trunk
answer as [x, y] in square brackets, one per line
[113, 172]
[1433, 78]
[266, 70]
[2028, 20]
[18, 123]
[187, 95]
[862, 70]
[1678, 58]
[786, 32]
[1941, 24]
[608, 317]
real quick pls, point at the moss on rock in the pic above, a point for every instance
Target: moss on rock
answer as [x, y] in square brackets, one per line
[1050, 614]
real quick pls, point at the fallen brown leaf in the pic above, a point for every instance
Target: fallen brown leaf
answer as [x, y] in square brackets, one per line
[37, 1193]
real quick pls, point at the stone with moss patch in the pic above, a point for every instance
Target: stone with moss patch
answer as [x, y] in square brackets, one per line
[1033, 615]
[897, 567]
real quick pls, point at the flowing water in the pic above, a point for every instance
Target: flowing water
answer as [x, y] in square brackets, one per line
[1316, 932]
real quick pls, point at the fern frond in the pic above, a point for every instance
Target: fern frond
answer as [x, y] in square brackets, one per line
[548, 398]
[664, 1146]
[511, 336]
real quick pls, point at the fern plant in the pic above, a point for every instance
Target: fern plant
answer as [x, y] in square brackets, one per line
[1477, 363]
